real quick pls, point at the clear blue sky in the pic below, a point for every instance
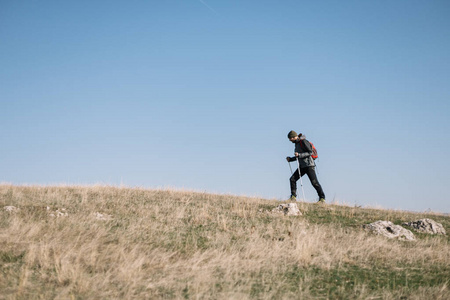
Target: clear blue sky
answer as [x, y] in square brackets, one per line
[201, 95]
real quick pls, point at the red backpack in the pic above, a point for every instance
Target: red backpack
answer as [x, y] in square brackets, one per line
[314, 154]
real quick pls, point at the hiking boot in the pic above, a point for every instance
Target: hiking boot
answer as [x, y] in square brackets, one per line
[292, 199]
[321, 200]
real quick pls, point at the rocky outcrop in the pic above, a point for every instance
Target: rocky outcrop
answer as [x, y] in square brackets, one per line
[390, 230]
[426, 226]
[288, 209]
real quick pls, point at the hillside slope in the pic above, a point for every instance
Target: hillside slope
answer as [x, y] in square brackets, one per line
[107, 243]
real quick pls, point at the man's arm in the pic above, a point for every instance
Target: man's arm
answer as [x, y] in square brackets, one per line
[303, 154]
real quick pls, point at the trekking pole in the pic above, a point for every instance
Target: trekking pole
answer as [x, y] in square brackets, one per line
[300, 175]
[292, 173]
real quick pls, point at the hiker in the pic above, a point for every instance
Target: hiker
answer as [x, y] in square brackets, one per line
[303, 152]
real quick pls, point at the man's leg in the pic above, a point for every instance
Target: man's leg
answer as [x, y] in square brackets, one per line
[293, 181]
[311, 172]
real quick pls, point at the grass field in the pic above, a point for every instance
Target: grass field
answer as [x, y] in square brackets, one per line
[162, 244]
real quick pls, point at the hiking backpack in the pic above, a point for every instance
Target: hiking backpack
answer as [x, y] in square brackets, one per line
[314, 154]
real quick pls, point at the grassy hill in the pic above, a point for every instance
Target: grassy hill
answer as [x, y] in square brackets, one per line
[142, 244]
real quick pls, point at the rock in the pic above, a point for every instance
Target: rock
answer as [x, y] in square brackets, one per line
[58, 213]
[61, 213]
[388, 229]
[427, 226]
[288, 209]
[10, 209]
[103, 217]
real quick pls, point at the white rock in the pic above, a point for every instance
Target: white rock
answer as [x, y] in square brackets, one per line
[388, 229]
[103, 217]
[58, 213]
[288, 209]
[61, 213]
[427, 226]
[11, 208]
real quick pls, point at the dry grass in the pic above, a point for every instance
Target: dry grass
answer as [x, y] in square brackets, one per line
[168, 244]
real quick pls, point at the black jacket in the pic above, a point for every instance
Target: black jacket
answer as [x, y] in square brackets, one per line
[304, 149]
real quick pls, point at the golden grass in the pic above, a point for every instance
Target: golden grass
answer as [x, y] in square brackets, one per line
[186, 245]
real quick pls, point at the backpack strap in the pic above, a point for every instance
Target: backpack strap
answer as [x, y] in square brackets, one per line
[305, 145]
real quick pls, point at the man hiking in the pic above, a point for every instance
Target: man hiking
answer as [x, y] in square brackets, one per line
[303, 152]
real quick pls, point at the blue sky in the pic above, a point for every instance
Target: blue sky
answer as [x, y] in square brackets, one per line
[201, 95]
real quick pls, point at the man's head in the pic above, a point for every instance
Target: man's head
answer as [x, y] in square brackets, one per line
[292, 136]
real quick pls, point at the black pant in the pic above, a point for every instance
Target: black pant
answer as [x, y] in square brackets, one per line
[311, 172]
